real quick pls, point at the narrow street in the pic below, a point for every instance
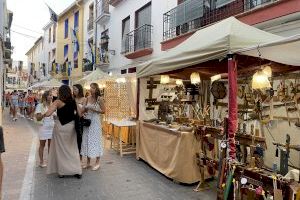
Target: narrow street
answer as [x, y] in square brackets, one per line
[118, 178]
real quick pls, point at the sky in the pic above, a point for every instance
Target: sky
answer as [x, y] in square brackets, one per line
[29, 18]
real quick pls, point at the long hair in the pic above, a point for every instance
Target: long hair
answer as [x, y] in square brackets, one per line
[65, 93]
[97, 92]
[80, 90]
[45, 96]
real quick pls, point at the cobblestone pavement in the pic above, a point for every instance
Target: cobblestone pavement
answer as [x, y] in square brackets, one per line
[118, 178]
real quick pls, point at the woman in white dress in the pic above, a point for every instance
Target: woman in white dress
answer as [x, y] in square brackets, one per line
[92, 145]
[45, 132]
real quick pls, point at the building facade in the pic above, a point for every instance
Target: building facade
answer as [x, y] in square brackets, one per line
[6, 18]
[17, 77]
[88, 35]
[49, 51]
[69, 43]
[36, 62]
[130, 32]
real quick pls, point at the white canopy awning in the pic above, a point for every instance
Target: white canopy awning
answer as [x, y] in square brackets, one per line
[53, 83]
[285, 51]
[213, 42]
[95, 76]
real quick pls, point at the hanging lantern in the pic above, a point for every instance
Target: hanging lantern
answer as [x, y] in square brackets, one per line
[268, 71]
[260, 80]
[164, 79]
[215, 77]
[195, 78]
[179, 82]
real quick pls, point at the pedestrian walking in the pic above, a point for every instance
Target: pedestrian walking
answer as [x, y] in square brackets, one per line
[22, 104]
[30, 105]
[81, 101]
[14, 104]
[92, 144]
[64, 156]
[45, 132]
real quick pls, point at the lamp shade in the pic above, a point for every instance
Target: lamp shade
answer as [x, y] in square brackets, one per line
[215, 77]
[268, 71]
[260, 80]
[195, 78]
[164, 79]
[179, 82]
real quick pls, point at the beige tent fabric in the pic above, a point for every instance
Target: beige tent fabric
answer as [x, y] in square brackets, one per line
[285, 51]
[172, 153]
[95, 76]
[213, 42]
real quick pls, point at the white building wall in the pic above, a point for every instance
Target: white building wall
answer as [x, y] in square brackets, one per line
[3, 18]
[49, 46]
[87, 34]
[120, 12]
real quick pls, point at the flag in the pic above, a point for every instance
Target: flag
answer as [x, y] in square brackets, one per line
[74, 41]
[53, 15]
[91, 53]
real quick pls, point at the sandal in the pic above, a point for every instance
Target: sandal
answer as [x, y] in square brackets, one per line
[85, 166]
[96, 167]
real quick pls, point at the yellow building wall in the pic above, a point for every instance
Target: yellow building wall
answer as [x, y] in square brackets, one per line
[61, 42]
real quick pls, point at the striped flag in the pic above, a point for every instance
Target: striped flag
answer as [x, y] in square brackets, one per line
[53, 15]
[74, 41]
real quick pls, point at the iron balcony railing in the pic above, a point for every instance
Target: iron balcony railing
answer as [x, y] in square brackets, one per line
[194, 14]
[102, 7]
[138, 39]
[90, 25]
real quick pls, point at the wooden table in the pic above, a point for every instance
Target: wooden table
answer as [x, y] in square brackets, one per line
[123, 148]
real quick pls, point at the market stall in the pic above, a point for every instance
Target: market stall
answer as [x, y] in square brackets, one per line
[208, 89]
[120, 101]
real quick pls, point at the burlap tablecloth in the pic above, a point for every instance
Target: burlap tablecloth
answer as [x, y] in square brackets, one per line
[170, 152]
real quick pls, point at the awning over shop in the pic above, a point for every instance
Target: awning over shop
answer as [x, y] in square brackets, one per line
[285, 51]
[97, 75]
[53, 83]
[213, 42]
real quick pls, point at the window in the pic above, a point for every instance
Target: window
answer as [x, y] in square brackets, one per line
[66, 49]
[66, 27]
[143, 16]
[220, 3]
[49, 35]
[76, 20]
[54, 33]
[125, 30]
[142, 35]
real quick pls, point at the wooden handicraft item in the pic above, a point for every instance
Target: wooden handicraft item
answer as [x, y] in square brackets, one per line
[151, 85]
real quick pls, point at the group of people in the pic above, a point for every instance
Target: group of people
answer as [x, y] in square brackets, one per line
[69, 139]
[21, 102]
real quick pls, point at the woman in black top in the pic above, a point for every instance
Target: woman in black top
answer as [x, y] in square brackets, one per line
[64, 156]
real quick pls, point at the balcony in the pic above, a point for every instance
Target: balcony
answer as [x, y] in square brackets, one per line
[102, 11]
[7, 44]
[64, 69]
[90, 25]
[138, 42]
[191, 15]
[87, 65]
[114, 3]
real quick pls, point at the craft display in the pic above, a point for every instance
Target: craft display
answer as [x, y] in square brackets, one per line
[199, 107]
